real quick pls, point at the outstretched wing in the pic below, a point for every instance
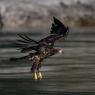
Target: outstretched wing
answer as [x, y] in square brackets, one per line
[58, 30]
[26, 44]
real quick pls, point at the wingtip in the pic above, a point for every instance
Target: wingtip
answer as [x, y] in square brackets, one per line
[57, 21]
[54, 18]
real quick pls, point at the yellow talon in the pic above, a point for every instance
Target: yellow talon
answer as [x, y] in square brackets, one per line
[39, 75]
[35, 76]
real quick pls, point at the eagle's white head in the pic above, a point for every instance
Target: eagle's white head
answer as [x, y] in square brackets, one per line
[61, 51]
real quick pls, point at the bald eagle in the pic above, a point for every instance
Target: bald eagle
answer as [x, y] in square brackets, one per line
[43, 48]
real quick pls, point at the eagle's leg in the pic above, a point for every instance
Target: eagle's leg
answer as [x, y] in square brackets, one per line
[35, 68]
[39, 74]
[34, 71]
[35, 76]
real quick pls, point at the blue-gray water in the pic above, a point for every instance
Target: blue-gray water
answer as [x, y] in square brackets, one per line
[72, 73]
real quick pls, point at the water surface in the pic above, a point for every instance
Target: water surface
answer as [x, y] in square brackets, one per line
[71, 73]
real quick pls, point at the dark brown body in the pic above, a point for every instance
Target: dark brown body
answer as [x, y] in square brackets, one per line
[40, 56]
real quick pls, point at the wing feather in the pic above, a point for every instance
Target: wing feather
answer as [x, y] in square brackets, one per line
[26, 44]
[58, 30]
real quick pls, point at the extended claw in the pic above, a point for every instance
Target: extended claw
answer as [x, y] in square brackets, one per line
[35, 76]
[39, 75]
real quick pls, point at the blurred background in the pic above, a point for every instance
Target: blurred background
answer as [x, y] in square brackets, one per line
[32, 13]
[70, 73]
